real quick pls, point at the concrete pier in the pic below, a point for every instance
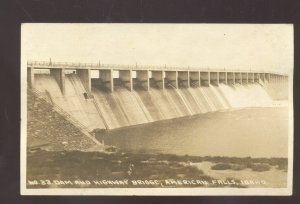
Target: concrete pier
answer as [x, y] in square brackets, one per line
[238, 77]
[126, 78]
[251, 78]
[85, 77]
[143, 79]
[267, 77]
[244, 78]
[223, 77]
[157, 79]
[183, 79]
[214, 78]
[262, 76]
[205, 78]
[230, 78]
[59, 75]
[106, 77]
[256, 77]
[195, 79]
[171, 79]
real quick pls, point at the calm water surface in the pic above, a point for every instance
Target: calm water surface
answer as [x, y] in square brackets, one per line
[255, 132]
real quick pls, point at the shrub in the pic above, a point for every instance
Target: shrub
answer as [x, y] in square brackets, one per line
[260, 167]
[221, 166]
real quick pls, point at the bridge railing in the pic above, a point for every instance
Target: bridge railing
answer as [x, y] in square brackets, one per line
[73, 65]
[67, 116]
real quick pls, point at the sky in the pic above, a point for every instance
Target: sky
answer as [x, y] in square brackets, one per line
[264, 47]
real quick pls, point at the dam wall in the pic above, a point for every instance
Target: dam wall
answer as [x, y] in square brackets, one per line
[118, 96]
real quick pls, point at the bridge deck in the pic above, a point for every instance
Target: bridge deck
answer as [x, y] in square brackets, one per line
[95, 66]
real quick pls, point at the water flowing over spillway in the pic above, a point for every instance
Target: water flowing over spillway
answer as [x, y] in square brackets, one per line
[123, 107]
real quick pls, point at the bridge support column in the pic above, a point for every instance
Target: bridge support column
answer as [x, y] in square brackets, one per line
[205, 78]
[85, 77]
[158, 79]
[143, 78]
[30, 77]
[184, 79]
[214, 78]
[267, 77]
[126, 78]
[59, 75]
[194, 79]
[256, 77]
[238, 77]
[262, 77]
[172, 78]
[223, 77]
[230, 78]
[106, 77]
[251, 78]
[244, 77]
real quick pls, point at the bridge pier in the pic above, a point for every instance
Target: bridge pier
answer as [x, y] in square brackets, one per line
[271, 78]
[126, 78]
[214, 78]
[223, 77]
[106, 77]
[171, 78]
[194, 79]
[30, 77]
[142, 77]
[184, 79]
[59, 75]
[251, 78]
[256, 77]
[238, 78]
[267, 77]
[205, 78]
[85, 77]
[262, 77]
[158, 79]
[244, 77]
[230, 78]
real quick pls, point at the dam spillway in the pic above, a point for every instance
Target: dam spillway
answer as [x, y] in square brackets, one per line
[120, 96]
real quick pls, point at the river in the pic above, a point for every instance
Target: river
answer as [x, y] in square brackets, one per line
[254, 132]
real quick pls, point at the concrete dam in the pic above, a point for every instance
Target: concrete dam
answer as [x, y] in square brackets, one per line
[105, 96]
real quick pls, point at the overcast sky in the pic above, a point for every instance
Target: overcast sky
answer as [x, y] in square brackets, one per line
[233, 46]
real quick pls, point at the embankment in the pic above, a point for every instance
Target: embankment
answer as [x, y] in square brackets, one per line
[48, 129]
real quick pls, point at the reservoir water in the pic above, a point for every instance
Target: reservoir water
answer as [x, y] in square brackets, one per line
[255, 132]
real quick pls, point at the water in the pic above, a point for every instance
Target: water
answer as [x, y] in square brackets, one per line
[255, 132]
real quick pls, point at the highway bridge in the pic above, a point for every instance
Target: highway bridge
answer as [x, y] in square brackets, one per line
[144, 76]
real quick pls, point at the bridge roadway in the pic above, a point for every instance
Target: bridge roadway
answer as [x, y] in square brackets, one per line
[150, 76]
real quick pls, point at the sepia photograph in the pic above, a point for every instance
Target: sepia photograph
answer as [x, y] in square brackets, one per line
[156, 109]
